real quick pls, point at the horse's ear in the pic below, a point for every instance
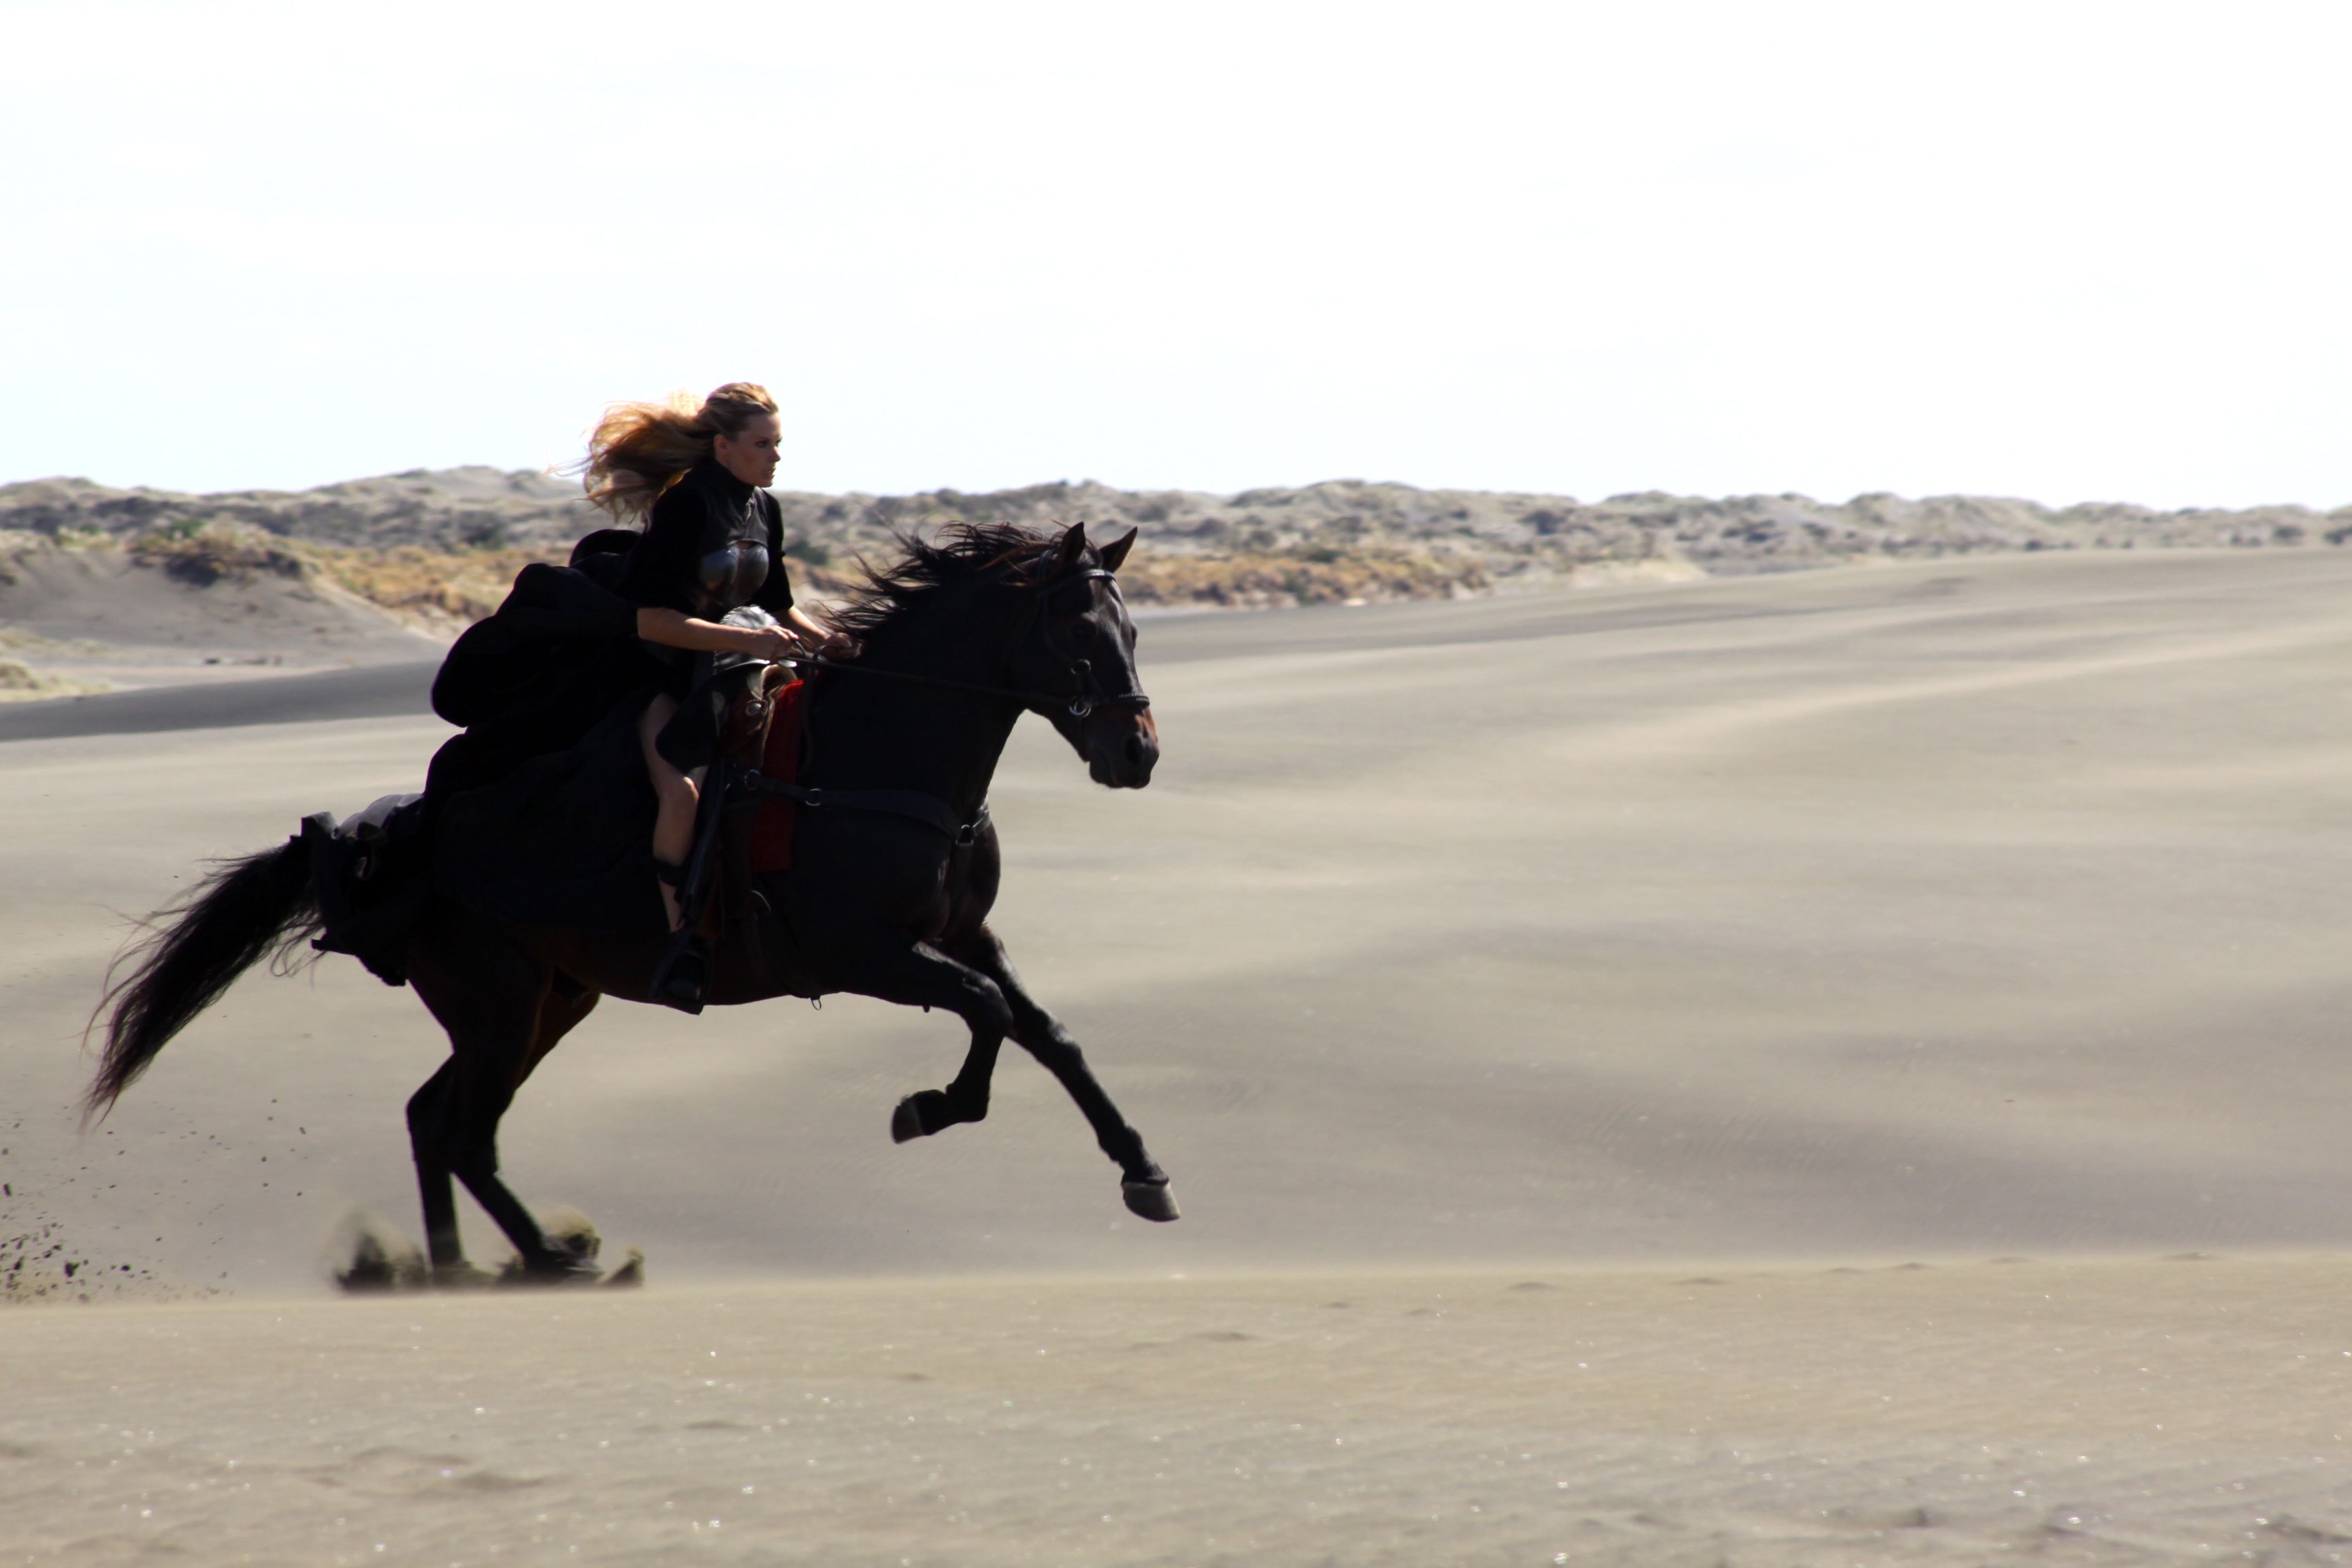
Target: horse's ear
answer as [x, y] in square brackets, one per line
[1115, 551]
[1073, 549]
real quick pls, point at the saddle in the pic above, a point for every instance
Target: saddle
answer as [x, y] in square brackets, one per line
[736, 838]
[770, 743]
[761, 734]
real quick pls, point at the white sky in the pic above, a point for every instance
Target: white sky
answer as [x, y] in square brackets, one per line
[2068, 251]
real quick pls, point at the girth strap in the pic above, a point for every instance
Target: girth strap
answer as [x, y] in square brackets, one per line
[929, 809]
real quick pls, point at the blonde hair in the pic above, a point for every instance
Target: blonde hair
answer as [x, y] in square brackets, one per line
[639, 449]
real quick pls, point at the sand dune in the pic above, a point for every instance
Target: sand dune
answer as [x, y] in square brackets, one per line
[1934, 912]
[93, 619]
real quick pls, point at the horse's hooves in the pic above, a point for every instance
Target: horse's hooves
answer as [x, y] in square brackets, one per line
[569, 1230]
[375, 1266]
[1150, 1200]
[561, 1269]
[461, 1276]
[376, 1257]
[907, 1122]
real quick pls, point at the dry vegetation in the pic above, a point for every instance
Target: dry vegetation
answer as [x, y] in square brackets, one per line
[438, 590]
[438, 548]
[19, 682]
[449, 590]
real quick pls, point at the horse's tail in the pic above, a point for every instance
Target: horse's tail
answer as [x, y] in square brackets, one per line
[243, 912]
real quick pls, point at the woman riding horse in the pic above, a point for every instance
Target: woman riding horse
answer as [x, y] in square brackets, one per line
[636, 620]
[531, 903]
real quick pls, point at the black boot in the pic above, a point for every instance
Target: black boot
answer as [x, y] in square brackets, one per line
[684, 975]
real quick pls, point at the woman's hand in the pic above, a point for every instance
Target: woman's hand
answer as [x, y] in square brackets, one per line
[674, 628]
[827, 642]
[772, 643]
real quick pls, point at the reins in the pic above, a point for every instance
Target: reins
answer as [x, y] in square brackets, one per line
[1079, 704]
[1078, 707]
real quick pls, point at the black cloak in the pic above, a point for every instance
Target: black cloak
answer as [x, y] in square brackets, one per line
[540, 812]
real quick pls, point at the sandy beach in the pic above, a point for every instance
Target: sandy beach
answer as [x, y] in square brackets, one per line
[2104, 1413]
[1745, 932]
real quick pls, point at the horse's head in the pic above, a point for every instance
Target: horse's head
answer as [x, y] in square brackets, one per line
[1082, 643]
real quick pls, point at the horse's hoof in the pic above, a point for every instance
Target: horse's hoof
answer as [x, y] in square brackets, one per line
[1150, 1200]
[570, 1231]
[629, 1274]
[461, 1276]
[922, 1113]
[558, 1270]
[380, 1259]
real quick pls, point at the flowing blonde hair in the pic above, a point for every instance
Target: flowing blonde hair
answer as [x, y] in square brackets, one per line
[640, 450]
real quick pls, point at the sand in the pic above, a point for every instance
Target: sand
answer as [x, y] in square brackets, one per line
[95, 620]
[2118, 1413]
[1733, 930]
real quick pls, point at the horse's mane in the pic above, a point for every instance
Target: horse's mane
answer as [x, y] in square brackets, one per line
[960, 552]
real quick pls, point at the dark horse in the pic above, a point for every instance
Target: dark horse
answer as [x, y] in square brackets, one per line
[961, 638]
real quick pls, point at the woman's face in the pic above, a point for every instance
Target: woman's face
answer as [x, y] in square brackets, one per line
[750, 456]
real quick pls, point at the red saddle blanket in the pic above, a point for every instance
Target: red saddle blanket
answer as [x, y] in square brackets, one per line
[773, 820]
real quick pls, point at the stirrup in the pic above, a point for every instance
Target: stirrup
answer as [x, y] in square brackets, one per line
[684, 976]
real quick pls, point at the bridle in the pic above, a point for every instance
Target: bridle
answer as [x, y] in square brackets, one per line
[1085, 694]
[1088, 694]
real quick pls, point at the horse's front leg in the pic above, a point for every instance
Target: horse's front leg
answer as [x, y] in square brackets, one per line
[965, 1099]
[896, 968]
[1043, 1035]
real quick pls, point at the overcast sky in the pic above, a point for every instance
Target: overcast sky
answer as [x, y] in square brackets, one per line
[2069, 252]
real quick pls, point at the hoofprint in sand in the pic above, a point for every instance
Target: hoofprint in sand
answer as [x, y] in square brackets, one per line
[2144, 1412]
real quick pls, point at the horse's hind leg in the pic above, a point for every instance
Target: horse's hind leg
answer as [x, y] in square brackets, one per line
[436, 1185]
[1043, 1035]
[503, 1010]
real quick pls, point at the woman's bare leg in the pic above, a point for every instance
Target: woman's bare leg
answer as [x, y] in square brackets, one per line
[677, 797]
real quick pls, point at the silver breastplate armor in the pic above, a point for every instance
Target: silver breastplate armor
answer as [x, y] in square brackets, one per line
[730, 552]
[727, 577]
